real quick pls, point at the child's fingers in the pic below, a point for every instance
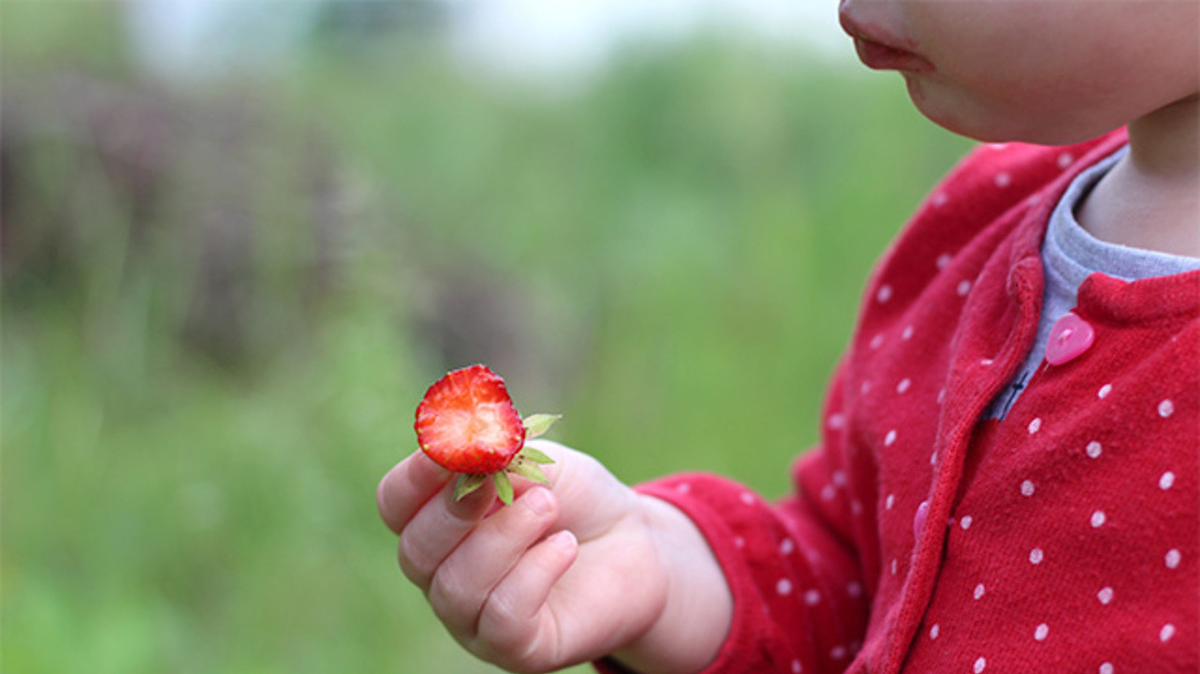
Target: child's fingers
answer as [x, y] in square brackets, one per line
[406, 487]
[436, 529]
[462, 582]
[517, 618]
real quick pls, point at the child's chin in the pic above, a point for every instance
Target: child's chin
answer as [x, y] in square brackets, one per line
[942, 112]
[966, 116]
[958, 115]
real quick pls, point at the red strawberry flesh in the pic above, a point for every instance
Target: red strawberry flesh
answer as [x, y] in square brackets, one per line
[467, 422]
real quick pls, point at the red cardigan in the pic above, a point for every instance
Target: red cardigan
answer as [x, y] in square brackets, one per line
[922, 539]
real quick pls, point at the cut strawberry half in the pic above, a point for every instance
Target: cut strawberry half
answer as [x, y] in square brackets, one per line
[467, 424]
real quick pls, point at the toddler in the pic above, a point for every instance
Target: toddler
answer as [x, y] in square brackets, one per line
[1007, 476]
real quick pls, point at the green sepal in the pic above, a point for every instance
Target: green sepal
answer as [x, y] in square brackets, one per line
[533, 456]
[466, 484]
[537, 424]
[527, 470]
[504, 488]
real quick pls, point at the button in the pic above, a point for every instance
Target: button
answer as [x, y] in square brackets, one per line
[919, 519]
[1069, 338]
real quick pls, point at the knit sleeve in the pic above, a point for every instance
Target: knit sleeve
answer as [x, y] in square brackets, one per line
[800, 602]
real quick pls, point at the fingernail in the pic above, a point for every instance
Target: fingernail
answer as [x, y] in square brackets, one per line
[563, 539]
[538, 501]
[381, 495]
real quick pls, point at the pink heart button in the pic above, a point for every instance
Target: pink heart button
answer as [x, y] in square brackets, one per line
[1070, 337]
[919, 519]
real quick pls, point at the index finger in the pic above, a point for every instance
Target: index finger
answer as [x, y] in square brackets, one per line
[406, 487]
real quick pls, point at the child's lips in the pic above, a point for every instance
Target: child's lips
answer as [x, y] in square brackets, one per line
[879, 56]
[878, 49]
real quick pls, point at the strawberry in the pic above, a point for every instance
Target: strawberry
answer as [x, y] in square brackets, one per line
[467, 424]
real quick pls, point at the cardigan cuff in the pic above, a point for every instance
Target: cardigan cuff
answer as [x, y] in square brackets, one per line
[706, 500]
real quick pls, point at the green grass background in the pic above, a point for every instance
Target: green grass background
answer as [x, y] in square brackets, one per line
[671, 256]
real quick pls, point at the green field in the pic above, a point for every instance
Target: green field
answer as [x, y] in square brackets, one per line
[222, 302]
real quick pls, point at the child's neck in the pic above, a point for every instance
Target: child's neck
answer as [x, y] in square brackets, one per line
[1151, 197]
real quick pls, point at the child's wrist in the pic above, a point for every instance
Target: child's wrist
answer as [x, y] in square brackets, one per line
[694, 619]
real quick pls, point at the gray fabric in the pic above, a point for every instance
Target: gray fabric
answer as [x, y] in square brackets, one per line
[1069, 255]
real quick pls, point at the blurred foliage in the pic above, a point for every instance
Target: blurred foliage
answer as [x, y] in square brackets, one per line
[222, 303]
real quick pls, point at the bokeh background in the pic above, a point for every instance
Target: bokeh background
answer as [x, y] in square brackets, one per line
[239, 239]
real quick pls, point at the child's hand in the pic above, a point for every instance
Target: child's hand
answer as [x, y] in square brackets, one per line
[567, 574]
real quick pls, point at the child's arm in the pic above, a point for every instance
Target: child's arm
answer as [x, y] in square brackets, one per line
[633, 578]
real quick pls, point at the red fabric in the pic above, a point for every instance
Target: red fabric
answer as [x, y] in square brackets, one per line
[1060, 539]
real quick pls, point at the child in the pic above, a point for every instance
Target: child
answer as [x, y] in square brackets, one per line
[1007, 480]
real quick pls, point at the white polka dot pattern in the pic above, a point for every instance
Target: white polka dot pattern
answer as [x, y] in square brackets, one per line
[1166, 408]
[1035, 521]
